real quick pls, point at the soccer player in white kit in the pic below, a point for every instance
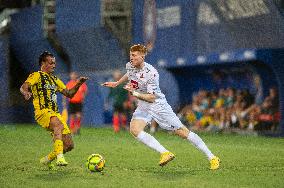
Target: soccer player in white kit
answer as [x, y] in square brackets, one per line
[143, 83]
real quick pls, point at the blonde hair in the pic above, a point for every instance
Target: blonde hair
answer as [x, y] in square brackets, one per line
[140, 48]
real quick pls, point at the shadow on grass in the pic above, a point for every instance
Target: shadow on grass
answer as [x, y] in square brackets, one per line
[61, 173]
[165, 173]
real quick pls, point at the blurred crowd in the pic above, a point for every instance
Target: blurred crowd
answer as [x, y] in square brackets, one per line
[228, 109]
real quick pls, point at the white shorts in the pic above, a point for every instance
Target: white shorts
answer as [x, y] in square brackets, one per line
[161, 113]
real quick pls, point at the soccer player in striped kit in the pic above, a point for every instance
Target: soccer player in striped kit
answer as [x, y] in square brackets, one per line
[143, 83]
[42, 86]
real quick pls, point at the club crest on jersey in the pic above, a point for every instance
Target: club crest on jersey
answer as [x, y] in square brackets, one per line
[48, 86]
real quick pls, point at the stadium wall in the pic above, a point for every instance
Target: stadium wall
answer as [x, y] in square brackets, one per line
[27, 40]
[4, 77]
[275, 59]
[91, 47]
[203, 27]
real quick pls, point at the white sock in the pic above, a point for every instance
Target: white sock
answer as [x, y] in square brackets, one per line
[46, 159]
[59, 156]
[198, 143]
[151, 142]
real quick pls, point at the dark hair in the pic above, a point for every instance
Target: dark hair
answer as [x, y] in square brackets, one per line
[43, 56]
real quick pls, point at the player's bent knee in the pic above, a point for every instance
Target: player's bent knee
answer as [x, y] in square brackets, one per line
[136, 126]
[134, 131]
[68, 147]
[182, 132]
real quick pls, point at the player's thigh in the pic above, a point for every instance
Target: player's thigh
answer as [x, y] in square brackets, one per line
[166, 118]
[72, 108]
[57, 124]
[139, 120]
[182, 132]
[43, 116]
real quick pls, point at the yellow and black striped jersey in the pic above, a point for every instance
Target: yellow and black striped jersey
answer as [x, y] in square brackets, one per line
[44, 88]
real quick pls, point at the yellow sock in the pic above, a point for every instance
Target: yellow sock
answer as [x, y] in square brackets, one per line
[51, 156]
[58, 147]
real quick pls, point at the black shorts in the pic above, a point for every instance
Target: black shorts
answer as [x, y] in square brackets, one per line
[118, 109]
[75, 107]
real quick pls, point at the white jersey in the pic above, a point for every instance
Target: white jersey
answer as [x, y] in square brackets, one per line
[146, 80]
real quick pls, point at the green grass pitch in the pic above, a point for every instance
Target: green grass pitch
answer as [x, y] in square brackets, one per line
[246, 161]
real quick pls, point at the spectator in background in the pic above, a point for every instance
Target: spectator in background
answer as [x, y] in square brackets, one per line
[258, 90]
[266, 116]
[273, 96]
[119, 98]
[76, 103]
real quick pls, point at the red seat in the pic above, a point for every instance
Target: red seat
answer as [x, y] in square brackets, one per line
[266, 117]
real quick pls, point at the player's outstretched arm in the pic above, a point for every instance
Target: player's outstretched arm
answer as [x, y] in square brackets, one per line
[25, 91]
[71, 92]
[114, 84]
[148, 97]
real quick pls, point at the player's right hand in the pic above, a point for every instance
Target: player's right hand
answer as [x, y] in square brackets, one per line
[109, 84]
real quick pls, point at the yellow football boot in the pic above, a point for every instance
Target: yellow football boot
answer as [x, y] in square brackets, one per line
[214, 163]
[61, 162]
[166, 157]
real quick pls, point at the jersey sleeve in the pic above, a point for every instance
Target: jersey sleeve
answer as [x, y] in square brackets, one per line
[33, 78]
[60, 85]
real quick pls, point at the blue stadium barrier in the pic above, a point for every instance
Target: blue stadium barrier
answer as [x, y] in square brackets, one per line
[74, 15]
[204, 27]
[92, 50]
[26, 25]
[27, 40]
[89, 45]
[9, 112]
[27, 54]
[4, 77]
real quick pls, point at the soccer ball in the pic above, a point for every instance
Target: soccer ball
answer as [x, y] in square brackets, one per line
[95, 163]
